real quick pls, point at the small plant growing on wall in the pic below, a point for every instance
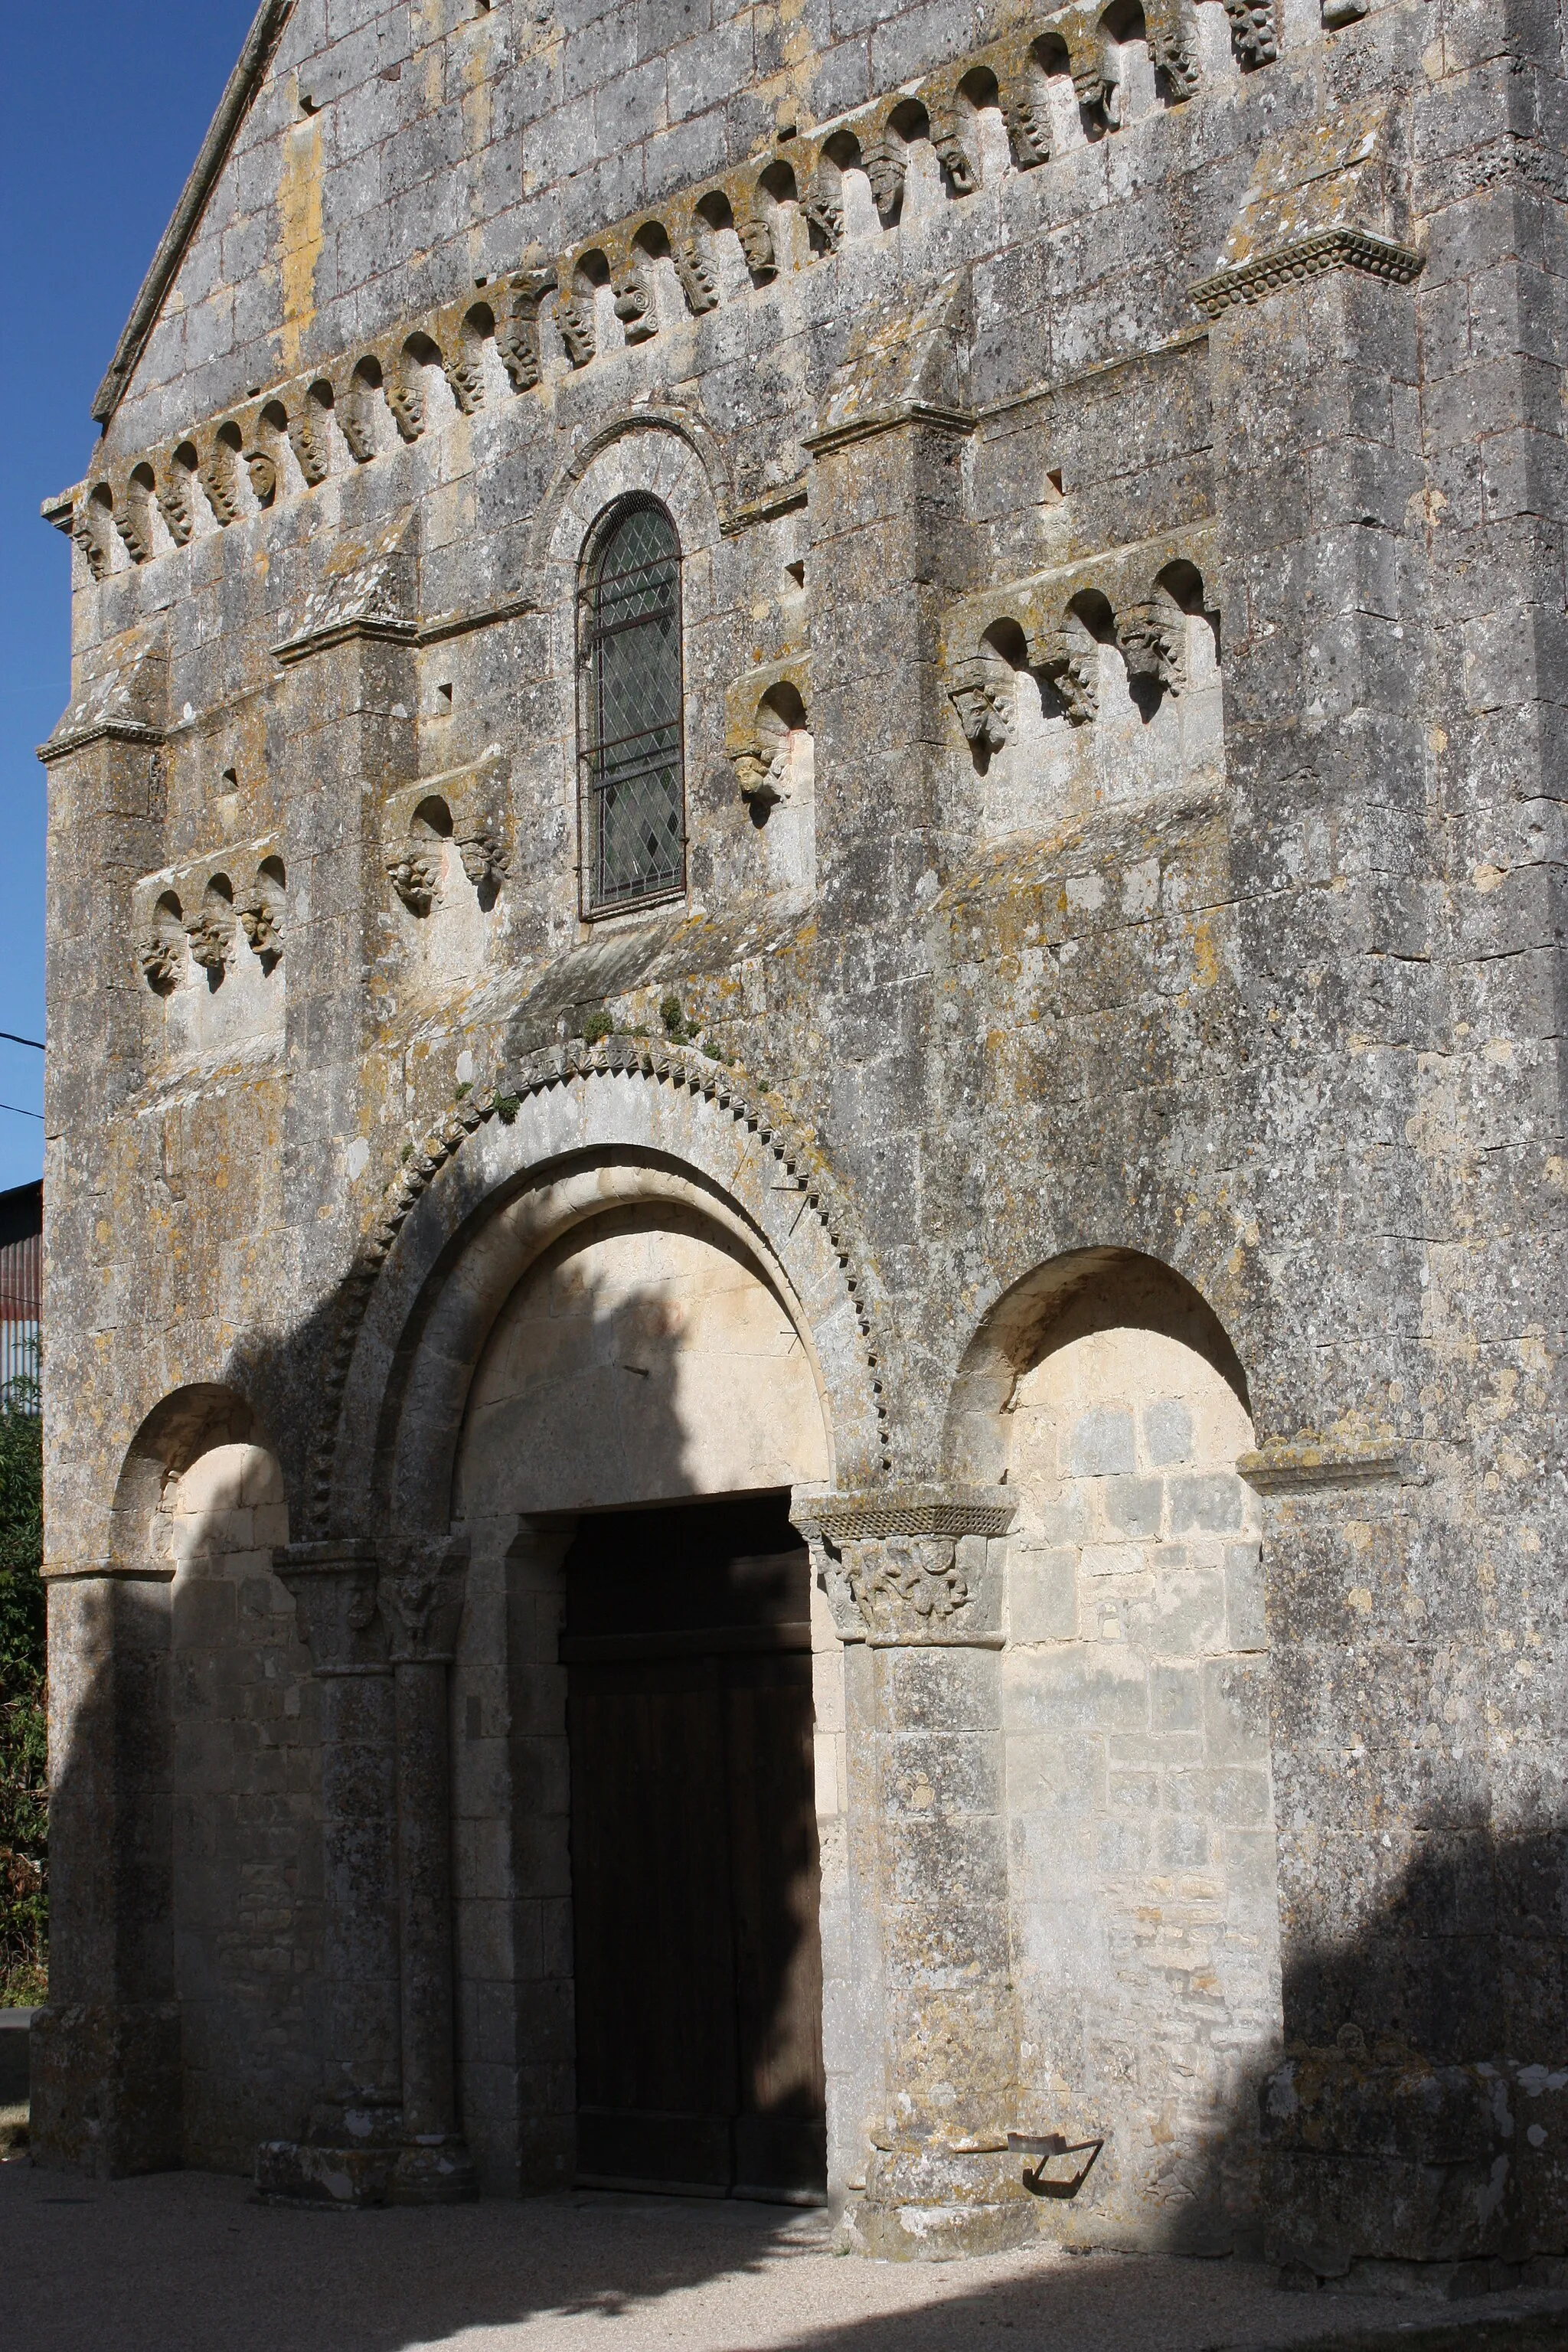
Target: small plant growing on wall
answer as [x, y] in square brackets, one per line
[24, 1843]
[677, 1027]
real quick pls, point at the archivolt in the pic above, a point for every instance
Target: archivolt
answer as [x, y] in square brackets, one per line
[664, 1105]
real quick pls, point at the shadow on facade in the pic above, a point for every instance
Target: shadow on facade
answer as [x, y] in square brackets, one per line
[1414, 2115]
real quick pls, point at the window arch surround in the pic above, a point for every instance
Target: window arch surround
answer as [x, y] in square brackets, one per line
[630, 717]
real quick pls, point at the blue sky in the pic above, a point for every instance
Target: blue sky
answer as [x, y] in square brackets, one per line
[105, 103]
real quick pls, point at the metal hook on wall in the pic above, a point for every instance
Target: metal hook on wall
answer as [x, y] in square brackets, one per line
[1044, 2146]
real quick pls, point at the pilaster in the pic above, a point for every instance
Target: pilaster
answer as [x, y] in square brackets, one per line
[914, 1580]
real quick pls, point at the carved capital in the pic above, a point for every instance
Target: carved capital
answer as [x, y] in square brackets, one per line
[421, 1592]
[912, 1567]
[334, 1589]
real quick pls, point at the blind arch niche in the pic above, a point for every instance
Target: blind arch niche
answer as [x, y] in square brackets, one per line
[631, 756]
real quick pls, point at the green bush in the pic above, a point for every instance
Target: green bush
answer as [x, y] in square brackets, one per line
[24, 1826]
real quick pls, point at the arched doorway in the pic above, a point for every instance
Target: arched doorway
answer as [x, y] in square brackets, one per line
[642, 1408]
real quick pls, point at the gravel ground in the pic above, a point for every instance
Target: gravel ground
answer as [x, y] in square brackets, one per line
[188, 2263]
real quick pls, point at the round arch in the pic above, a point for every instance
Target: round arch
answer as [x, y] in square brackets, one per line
[183, 1425]
[610, 1128]
[1048, 1307]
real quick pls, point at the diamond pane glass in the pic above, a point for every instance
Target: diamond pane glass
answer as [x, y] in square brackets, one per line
[634, 832]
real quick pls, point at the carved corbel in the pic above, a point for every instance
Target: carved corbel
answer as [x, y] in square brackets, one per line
[579, 329]
[210, 931]
[1152, 636]
[465, 371]
[415, 873]
[159, 957]
[756, 234]
[90, 526]
[262, 472]
[1254, 31]
[1069, 657]
[310, 437]
[768, 773]
[134, 518]
[219, 478]
[486, 858]
[699, 278]
[950, 139]
[823, 204]
[885, 164]
[356, 418]
[1029, 121]
[1096, 75]
[981, 691]
[517, 328]
[260, 917]
[176, 501]
[405, 395]
[634, 306]
[1173, 47]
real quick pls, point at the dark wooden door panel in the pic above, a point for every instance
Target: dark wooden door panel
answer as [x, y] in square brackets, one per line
[775, 1899]
[694, 1860]
[651, 1887]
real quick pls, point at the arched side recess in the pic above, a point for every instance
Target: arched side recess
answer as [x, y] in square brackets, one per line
[108, 2088]
[577, 1131]
[1142, 1897]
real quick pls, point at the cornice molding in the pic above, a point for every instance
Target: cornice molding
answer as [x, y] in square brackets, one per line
[939, 1512]
[1284, 1467]
[103, 731]
[1332, 248]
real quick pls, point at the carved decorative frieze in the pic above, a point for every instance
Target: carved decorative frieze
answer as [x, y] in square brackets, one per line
[357, 402]
[1336, 248]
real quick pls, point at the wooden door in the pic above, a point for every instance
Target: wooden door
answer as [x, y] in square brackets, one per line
[694, 1859]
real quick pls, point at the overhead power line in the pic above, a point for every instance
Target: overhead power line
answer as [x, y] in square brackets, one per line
[22, 1114]
[12, 1039]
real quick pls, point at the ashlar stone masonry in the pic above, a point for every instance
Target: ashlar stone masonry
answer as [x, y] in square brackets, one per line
[806, 1183]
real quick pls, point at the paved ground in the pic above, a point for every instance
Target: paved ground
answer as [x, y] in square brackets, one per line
[186, 2263]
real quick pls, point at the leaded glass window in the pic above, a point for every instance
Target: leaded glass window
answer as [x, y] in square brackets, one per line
[629, 729]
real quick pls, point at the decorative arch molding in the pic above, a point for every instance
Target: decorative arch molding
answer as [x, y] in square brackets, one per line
[1046, 1307]
[668, 452]
[577, 1131]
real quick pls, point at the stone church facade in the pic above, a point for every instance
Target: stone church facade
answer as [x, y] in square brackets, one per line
[803, 1254]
